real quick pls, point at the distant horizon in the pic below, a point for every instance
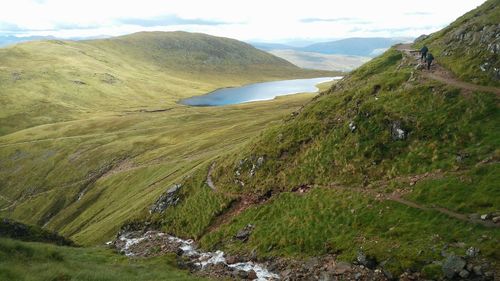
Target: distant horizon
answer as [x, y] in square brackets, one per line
[256, 21]
[290, 42]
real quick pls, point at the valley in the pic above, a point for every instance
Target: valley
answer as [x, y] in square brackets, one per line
[389, 173]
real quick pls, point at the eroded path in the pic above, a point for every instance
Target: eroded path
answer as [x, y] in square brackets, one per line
[443, 75]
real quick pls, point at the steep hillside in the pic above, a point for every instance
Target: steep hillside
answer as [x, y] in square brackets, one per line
[51, 81]
[470, 47]
[394, 168]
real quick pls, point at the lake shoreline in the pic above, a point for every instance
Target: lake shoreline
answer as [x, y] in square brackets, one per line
[254, 92]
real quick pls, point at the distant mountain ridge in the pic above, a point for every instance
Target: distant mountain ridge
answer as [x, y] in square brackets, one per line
[357, 46]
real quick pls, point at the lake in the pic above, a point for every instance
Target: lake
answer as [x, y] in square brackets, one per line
[257, 92]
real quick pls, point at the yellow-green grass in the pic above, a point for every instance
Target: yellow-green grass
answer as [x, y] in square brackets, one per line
[31, 261]
[52, 81]
[122, 163]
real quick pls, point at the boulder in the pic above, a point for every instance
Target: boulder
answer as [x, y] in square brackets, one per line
[463, 274]
[167, 199]
[244, 233]
[366, 260]
[452, 265]
[252, 275]
[472, 252]
[397, 131]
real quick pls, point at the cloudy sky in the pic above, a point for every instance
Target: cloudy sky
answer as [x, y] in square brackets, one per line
[250, 20]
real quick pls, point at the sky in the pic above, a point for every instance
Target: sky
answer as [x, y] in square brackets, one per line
[249, 20]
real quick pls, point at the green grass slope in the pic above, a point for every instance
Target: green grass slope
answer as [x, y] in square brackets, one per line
[51, 81]
[470, 46]
[391, 161]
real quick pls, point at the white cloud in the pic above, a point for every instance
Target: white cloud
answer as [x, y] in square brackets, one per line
[247, 20]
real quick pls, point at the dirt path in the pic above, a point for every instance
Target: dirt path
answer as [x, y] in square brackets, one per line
[209, 176]
[443, 75]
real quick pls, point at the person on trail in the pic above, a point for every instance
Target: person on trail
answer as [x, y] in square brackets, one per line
[423, 53]
[429, 58]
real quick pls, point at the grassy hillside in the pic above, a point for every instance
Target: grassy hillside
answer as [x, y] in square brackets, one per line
[91, 132]
[388, 161]
[52, 81]
[470, 47]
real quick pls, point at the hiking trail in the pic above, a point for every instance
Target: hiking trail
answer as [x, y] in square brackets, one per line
[443, 75]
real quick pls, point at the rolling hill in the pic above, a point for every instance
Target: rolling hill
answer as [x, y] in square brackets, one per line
[79, 120]
[50, 81]
[392, 172]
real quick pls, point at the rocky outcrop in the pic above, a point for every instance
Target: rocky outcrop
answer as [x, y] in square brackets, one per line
[481, 41]
[167, 199]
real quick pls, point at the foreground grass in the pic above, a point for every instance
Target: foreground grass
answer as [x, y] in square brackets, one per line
[29, 261]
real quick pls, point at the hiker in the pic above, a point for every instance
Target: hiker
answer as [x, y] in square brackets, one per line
[423, 53]
[429, 60]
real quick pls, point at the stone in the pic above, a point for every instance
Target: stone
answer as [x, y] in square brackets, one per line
[365, 260]
[452, 265]
[244, 233]
[242, 274]
[478, 270]
[167, 199]
[352, 126]
[252, 275]
[496, 219]
[232, 259]
[463, 273]
[485, 217]
[472, 252]
[341, 268]
[397, 131]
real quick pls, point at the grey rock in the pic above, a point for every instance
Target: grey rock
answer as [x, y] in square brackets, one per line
[496, 219]
[397, 131]
[478, 270]
[167, 199]
[365, 260]
[244, 233]
[352, 126]
[452, 265]
[463, 273]
[242, 274]
[472, 252]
